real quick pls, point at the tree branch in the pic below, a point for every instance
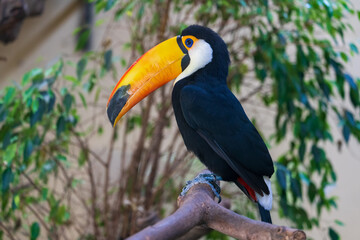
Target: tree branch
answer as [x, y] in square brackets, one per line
[198, 208]
[7, 230]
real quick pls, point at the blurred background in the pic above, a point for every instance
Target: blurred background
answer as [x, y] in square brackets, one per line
[66, 173]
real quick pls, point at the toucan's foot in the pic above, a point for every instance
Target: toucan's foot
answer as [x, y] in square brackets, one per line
[207, 178]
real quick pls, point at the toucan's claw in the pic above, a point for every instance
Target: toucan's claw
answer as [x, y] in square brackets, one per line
[207, 178]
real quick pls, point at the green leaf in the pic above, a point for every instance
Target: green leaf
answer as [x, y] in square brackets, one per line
[89, 85]
[82, 157]
[37, 116]
[59, 214]
[281, 177]
[97, 94]
[350, 117]
[302, 149]
[243, 3]
[16, 201]
[304, 178]
[344, 57]
[318, 153]
[266, 3]
[33, 73]
[312, 192]
[132, 122]
[72, 79]
[10, 94]
[83, 39]
[333, 176]
[269, 16]
[6, 139]
[109, 5]
[6, 179]
[346, 133]
[355, 97]
[127, 8]
[80, 67]
[100, 130]
[49, 99]
[68, 99]
[77, 30]
[99, 22]
[61, 158]
[340, 223]
[83, 100]
[296, 187]
[3, 112]
[34, 231]
[54, 71]
[333, 234]
[141, 11]
[60, 125]
[350, 80]
[35, 105]
[28, 149]
[75, 182]
[99, 5]
[123, 62]
[354, 48]
[10, 153]
[44, 193]
[260, 73]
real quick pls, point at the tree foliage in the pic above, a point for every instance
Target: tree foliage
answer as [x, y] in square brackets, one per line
[284, 54]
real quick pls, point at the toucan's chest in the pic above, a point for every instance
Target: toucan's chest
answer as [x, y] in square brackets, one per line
[195, 143]
[191, 138]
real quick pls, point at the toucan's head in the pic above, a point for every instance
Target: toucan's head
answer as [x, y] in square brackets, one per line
[196, 49]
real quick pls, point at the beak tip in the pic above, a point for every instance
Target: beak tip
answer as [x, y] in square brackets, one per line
[110, 116]
[117, 103]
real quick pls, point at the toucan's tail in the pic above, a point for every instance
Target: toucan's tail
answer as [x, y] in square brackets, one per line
[264, 214]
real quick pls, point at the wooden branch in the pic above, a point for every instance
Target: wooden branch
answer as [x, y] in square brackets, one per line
[201, 230]
[198, 208]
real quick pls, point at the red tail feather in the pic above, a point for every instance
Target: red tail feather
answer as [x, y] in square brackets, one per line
[248, 188]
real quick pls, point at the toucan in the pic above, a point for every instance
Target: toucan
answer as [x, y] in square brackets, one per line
[211, 120]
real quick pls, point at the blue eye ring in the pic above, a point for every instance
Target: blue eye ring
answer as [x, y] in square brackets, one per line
[189, 42]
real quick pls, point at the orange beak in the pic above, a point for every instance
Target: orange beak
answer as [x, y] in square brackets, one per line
[156, 67]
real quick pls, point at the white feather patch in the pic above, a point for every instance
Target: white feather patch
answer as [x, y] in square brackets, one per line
[200, 55]
[266, 200]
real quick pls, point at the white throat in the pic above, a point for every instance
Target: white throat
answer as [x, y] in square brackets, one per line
[200, 55]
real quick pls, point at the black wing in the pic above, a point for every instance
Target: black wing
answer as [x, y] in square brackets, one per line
[218, 117]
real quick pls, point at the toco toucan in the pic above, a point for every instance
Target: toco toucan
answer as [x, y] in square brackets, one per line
[210, 118]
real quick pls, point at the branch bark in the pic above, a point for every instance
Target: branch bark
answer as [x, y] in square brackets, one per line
[198, 209]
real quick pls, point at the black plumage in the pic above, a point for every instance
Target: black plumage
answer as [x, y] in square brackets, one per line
[214, 125]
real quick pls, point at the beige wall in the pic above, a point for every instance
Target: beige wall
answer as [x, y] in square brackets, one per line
[44, 39]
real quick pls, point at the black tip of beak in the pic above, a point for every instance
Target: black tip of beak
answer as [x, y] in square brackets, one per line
[117, 103]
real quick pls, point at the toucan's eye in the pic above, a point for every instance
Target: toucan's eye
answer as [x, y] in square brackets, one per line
[189, 42]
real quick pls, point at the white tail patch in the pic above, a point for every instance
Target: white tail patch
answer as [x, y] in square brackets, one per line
[266, 200]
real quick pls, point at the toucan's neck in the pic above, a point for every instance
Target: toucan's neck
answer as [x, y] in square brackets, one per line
[218, 68]
[210, 74]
